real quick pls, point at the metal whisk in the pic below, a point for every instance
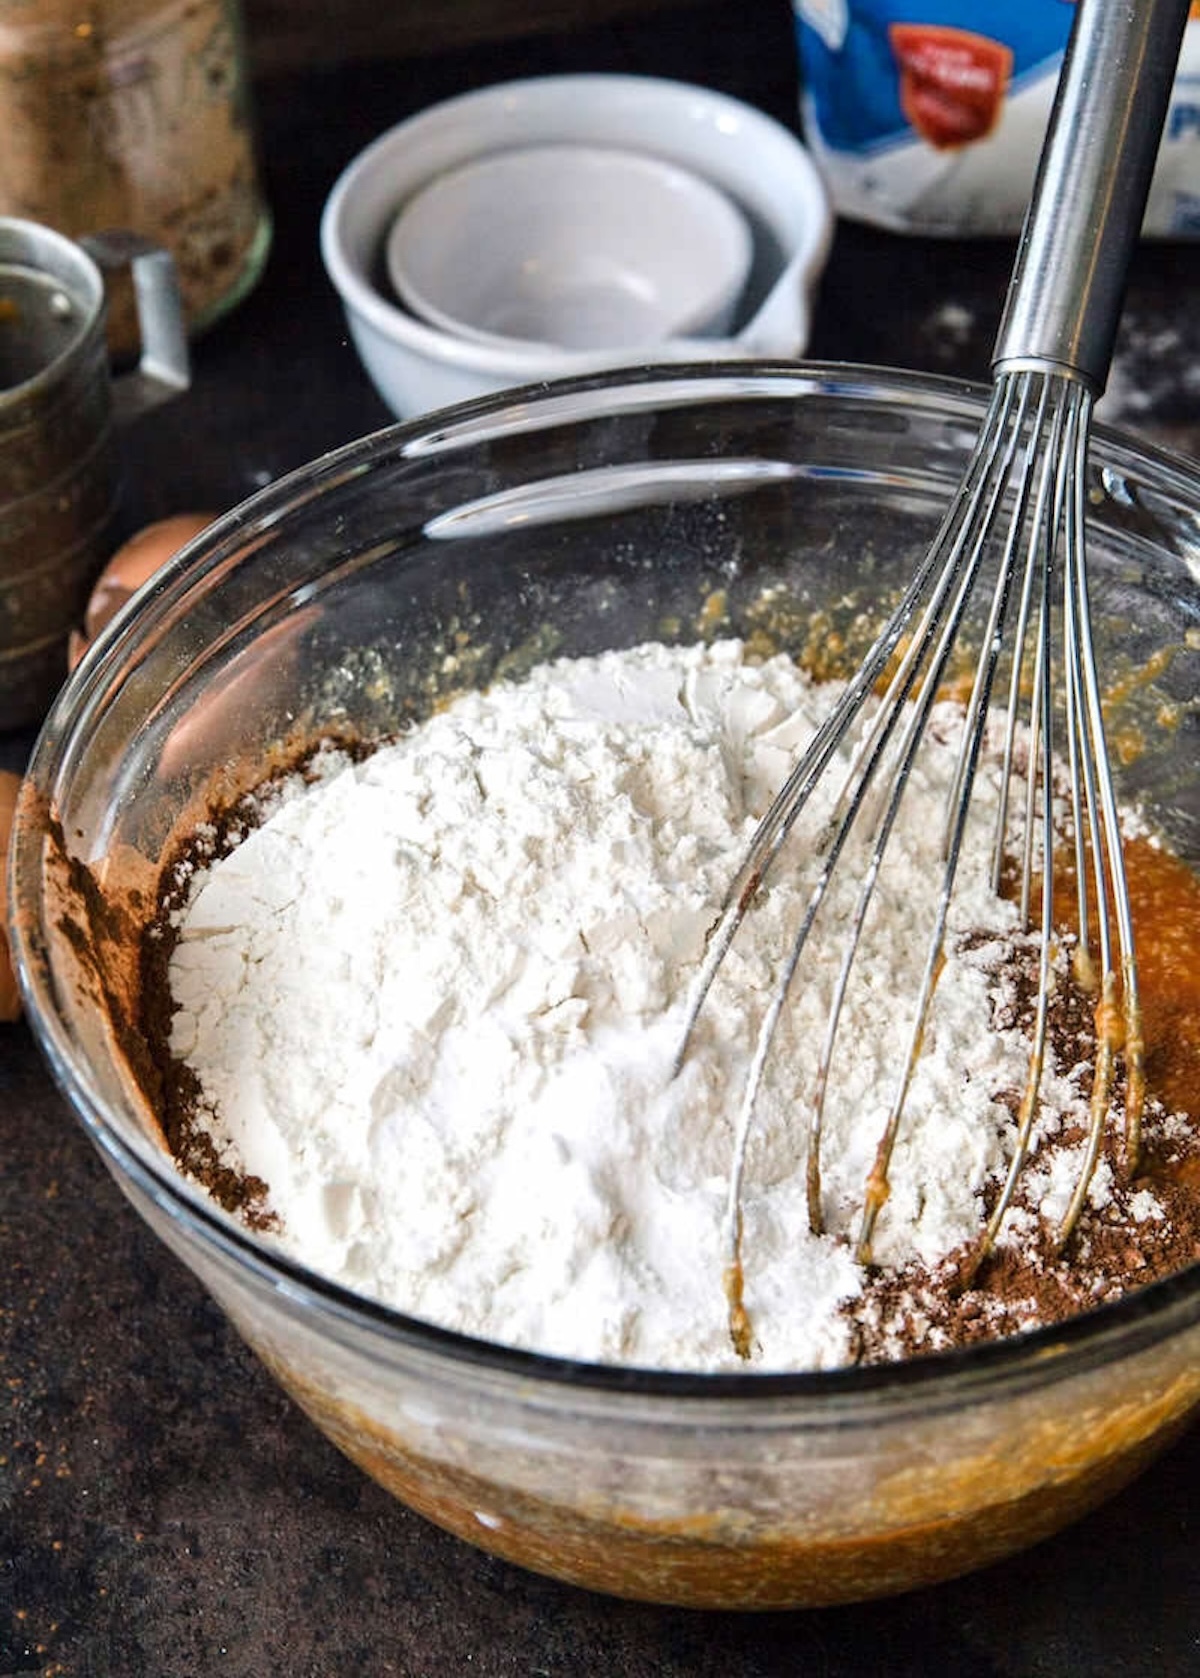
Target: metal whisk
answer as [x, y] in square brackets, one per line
[1020, 506]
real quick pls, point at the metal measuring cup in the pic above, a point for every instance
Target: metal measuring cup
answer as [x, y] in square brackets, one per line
[59, 403]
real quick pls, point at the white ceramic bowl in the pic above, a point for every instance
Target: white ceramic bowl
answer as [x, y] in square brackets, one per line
[757, 162]
[584, 247]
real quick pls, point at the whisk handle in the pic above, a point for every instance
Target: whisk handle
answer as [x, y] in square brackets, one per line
[1089, 196]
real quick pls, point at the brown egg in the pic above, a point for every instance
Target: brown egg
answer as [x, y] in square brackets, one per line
[10, 1001]
[133, 563]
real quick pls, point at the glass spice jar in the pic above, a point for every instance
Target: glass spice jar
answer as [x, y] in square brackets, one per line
[135, 114]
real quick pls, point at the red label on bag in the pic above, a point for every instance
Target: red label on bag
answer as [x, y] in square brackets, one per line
[952, 82]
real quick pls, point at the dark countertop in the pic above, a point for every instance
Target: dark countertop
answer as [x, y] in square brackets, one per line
[164, 1510]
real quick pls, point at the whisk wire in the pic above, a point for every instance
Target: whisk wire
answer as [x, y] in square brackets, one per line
[793, 796]
[958, 550]
[1021, 505]
[1028, 468]
[1082, 791]
[1038, 527]
[1022, 528]
[1118, 1013]
[1020, 553]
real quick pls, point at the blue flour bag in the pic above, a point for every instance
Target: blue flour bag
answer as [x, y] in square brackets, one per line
[928, 116]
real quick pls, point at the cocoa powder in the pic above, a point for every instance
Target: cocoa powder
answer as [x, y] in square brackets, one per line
[1147, 1228]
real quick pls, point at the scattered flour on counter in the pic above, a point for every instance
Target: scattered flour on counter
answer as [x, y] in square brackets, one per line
[1154, 378]
[433, 1000]
[949, 328]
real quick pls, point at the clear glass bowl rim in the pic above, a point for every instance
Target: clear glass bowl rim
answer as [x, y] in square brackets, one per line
[1141, 1320]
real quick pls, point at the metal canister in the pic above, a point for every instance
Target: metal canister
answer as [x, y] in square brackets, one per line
[59, 468]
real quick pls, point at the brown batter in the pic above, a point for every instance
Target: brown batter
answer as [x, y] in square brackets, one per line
[1114, 1249]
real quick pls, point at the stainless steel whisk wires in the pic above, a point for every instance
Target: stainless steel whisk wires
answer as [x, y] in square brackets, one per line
[1021, 508]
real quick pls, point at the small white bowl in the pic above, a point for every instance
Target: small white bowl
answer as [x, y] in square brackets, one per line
[583, 247]
[754, 160]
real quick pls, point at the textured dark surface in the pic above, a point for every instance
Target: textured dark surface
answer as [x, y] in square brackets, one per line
[164, 1510]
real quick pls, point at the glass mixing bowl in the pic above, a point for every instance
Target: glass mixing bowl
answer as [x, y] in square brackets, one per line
[431, 556]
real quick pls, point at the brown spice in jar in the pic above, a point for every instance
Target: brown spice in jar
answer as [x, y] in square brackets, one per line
[134, 114]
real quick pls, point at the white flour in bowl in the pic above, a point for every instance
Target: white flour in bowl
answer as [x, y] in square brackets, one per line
[434, 998]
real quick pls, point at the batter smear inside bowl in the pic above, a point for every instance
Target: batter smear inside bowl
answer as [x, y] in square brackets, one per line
[425, 1004]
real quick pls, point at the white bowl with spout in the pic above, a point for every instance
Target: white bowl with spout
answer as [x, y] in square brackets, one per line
[758, 164]
[573, 247]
